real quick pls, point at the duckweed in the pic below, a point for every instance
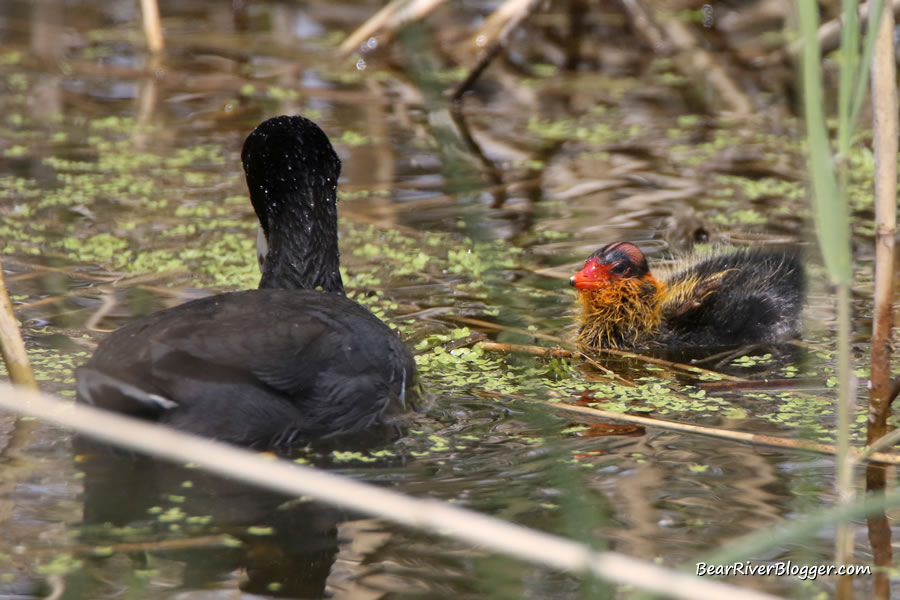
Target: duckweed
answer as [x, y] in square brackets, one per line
[61, 564]
[351, 138]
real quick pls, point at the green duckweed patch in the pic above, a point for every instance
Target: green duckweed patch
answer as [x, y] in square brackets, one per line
[61, 564]
[352, 138]
[53, 368]
[752, 361]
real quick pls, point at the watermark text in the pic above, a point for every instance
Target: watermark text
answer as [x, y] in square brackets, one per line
[781, 569]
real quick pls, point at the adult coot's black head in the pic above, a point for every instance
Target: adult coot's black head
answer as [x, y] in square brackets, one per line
[280, 366]
[292, 173]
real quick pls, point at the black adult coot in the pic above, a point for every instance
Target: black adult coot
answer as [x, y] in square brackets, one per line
[719, 299]
[280, 366]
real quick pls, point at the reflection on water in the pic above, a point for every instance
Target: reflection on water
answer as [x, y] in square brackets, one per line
[121, 194]
[281, 547]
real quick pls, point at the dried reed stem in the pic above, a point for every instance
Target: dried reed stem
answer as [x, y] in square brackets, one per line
[725, 434]
[11, 344]
[152, 25]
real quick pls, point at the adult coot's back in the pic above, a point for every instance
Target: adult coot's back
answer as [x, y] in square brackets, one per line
[280, 366]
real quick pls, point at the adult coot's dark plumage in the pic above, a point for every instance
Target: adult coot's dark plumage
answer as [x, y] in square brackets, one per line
[291, 362]
[709, 300]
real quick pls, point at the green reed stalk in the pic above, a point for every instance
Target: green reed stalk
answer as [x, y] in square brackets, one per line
[847, 92]
[832, 219]
[829, 205]
[854, 74]
[860, 78]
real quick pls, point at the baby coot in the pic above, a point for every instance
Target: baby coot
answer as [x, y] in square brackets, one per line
[291, 362]
[720, 299]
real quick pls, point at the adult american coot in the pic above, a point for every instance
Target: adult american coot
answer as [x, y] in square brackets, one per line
[748, 296]
[280, 366]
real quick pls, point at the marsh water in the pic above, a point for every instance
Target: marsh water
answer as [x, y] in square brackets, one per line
[121, 193]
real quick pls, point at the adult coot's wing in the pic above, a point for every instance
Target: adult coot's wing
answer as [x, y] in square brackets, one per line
[254, 366]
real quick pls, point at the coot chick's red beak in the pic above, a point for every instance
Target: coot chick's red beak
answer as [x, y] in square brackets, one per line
[592, 276]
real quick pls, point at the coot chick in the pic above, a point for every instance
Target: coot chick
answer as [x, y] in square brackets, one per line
[731, 298]
[280, 366]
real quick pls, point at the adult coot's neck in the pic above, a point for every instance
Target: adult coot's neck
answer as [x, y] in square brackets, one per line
[292, 173]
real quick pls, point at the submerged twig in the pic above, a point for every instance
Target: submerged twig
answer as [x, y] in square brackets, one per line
[490, 168]
[108, 303]
[496, 327]
[673, 365]
[759, 384]
[475, 72]
[526, 349]
[608, 372]
[57, 586]
[886, 441]
[738, 436]
[493, 36]
[542, 351]
[37, 270]
[552, 353]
